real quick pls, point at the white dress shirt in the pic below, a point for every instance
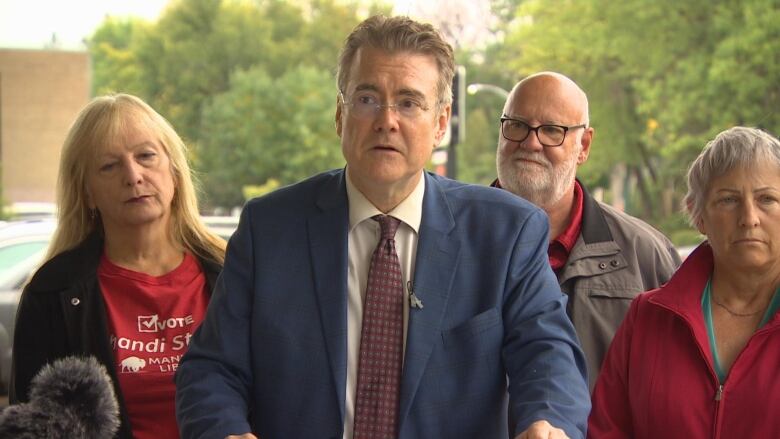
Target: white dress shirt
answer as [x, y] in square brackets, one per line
[364, 234]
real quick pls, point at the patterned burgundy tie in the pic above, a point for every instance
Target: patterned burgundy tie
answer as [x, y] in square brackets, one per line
[381, 341]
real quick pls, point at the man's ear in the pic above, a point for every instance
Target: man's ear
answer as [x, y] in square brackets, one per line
[587, 139]
[339, 115]
[442, 122]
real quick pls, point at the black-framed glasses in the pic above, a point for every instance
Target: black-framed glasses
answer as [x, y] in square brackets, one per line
[366, 105]
[549, 135]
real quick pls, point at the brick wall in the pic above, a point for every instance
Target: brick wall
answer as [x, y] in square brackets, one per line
[41, 91]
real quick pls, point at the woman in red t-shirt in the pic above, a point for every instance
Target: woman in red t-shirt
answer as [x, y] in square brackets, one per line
[130, 268]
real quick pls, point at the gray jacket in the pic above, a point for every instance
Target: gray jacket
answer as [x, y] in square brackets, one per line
[615, 258]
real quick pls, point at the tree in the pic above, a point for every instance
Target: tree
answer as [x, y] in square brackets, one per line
[267, 128]
[114, 64]
[184, 65]
[477, 152]
[662, 77]
[189, 54]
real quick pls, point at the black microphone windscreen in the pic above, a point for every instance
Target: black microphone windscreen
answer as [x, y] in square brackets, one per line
[70, 398]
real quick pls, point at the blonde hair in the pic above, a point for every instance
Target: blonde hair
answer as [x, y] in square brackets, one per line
[395, 35]
[101, 121]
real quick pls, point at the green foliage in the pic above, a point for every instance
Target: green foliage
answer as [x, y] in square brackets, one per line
[477, 152]
[250, 83]
[189, 54]
[253, 191]
[662, 77]
[205, 65]
[477, 155]
[114, 67]
[249, 140]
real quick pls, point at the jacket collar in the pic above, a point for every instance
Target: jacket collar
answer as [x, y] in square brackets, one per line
[682, 294]
[594, 225]
[328, 229]
[70, 266]
[595, 251]
[438, 253]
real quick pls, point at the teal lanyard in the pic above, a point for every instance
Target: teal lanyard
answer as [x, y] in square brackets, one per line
[706, 307]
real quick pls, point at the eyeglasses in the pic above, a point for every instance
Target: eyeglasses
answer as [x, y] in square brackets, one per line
[548, 135]
[366, 105]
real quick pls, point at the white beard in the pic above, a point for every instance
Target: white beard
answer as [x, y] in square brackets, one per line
[542, 187]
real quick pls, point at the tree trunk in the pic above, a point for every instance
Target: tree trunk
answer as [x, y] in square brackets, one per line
[647, 201]
[617, 184]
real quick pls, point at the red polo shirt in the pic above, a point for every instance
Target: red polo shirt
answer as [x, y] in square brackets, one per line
[560, 247]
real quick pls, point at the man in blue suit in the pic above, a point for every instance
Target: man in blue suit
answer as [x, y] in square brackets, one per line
[470, 335]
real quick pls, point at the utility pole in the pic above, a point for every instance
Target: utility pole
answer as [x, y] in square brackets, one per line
[457, 120]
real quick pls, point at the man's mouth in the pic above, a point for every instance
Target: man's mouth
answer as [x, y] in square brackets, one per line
[524, 160]
[388, 148]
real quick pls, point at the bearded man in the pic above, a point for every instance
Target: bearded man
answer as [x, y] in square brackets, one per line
[602, 256]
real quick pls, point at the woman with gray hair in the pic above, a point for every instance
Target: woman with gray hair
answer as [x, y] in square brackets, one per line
[699, 357]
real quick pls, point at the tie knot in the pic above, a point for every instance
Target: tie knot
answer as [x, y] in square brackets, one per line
[388, 224]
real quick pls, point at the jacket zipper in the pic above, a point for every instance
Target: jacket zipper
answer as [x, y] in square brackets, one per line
[718, 405]
[719, 391]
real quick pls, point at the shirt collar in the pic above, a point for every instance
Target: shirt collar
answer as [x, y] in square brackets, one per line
[408, 211]
[569, 236]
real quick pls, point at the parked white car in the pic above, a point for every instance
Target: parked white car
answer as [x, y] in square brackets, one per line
[23, 245]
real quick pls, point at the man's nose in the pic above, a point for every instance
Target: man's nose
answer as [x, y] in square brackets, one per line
[386, 118]
[532, 142]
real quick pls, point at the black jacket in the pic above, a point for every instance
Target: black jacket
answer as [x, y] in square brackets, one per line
[62, 313]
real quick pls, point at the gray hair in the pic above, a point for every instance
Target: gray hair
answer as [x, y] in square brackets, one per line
[400, 34]
[734, 148]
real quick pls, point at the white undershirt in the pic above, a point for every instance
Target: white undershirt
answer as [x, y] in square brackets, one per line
[363, 239]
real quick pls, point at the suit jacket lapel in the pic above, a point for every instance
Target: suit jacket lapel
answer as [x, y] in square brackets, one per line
[437, 257]
[328, 229]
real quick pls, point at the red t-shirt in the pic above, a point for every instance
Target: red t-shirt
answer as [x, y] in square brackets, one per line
[150, 322]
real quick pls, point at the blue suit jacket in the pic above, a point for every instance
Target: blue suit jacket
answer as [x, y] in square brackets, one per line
[491, 351]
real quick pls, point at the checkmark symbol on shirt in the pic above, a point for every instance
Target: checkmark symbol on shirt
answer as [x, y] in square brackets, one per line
[147, 323]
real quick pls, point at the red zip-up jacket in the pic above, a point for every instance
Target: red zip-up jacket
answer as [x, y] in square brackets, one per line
[658, 380]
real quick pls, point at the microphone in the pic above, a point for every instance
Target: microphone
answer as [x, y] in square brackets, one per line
[414, 301]
[70, 398]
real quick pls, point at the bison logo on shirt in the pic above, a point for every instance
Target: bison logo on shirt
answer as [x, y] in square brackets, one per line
[132, 364]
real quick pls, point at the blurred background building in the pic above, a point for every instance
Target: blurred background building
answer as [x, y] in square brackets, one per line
[41, 91]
